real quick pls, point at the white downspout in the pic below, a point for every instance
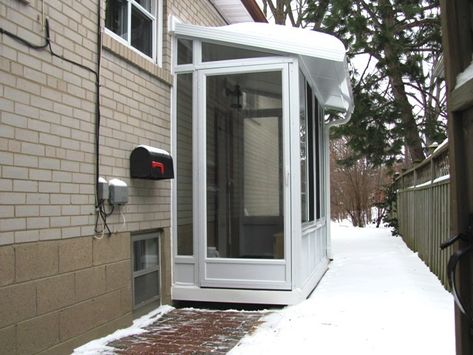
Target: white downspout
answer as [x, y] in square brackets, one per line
[327, 174]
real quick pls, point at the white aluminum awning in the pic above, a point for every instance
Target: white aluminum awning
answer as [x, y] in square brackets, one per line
[322, 55]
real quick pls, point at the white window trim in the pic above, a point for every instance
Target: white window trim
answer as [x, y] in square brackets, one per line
[157, 28]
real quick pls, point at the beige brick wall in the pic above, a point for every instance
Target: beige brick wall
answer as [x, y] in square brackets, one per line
[47, 127]
[46, 131]
[60, 287]
[47, 121]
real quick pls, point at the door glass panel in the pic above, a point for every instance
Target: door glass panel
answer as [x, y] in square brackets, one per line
[244, 166]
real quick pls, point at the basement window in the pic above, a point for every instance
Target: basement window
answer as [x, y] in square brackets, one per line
[146, 268]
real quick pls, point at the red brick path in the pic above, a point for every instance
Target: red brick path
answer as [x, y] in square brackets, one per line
[191, 331]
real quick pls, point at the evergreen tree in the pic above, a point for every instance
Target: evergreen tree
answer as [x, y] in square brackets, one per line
[398, 102]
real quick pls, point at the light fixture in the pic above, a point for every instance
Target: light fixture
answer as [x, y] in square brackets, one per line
[236, 95]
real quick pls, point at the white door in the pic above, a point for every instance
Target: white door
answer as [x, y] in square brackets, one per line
[242, 181]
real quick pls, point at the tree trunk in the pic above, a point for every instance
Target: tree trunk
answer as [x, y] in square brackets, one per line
[277, 10]
[411, 131]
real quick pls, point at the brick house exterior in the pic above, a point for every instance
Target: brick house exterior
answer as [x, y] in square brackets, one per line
[61, 283]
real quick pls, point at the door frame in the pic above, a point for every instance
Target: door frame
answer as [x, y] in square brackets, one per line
[214, 272]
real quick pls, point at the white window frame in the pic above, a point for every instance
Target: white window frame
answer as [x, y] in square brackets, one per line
[156, 16]
[318, 151]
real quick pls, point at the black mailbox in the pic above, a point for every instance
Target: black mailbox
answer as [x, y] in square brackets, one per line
[151, 163]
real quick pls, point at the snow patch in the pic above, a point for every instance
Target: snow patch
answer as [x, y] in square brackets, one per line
[443, 144]
[465, 76]
[442, 178]
[99, 346]
[377, 297]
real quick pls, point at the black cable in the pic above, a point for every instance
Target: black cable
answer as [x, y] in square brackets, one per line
[101, 213]
[24, 41]
[47, 44]
[99, 204]
[66, 59]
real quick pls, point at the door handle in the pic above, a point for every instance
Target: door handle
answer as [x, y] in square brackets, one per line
[452, 240]
[451, 273]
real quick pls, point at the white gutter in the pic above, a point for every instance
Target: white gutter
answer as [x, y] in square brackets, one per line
[328, 125]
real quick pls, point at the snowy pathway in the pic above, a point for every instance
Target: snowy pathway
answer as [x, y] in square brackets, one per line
[377, 298]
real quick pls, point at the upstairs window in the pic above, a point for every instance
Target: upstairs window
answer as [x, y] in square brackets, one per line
[134, 22]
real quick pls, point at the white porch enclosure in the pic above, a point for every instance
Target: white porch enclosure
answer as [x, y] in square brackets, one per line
[250, 198]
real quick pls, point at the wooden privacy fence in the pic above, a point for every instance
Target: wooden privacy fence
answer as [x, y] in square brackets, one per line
[423, 210]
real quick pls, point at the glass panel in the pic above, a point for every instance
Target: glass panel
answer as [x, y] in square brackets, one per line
[303, 148]
[145, 254]
[146, 287]
[261, 174]
[244, 166]
[212, 52]
[312, 157]
[184, 177]
[318, 162]
[141, 31]
[145, 4]
[116, 17]
[184, 51]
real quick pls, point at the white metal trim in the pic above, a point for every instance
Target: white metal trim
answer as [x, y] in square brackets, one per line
[200, 174]
[294, 166]
[196, 172]
[158, 42]
[225, 295]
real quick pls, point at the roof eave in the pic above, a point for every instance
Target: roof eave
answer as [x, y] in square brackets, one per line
[236, 11]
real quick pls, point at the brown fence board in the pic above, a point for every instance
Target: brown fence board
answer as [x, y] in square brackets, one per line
[423, 211]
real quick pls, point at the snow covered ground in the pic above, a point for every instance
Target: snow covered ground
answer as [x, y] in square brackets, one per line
[377, 298]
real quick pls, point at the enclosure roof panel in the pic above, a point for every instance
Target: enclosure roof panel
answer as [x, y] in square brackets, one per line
[323, 56]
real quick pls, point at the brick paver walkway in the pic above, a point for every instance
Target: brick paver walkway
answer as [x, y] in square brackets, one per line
[191, 331]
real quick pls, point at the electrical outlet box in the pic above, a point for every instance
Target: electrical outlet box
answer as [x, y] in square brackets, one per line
[118, 192]
[102, 193]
